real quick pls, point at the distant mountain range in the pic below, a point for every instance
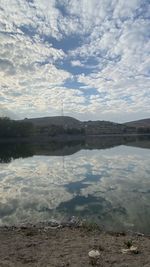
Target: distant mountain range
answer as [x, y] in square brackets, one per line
[62, 127]
[72, 122]
[54, 125]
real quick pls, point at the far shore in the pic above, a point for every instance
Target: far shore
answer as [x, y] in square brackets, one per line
[62, 138]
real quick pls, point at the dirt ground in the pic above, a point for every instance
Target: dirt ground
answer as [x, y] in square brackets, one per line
[69, 247]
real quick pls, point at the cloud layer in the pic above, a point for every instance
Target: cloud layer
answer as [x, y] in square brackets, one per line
[92, 54]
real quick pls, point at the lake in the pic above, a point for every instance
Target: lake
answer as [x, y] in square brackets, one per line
[102, 179]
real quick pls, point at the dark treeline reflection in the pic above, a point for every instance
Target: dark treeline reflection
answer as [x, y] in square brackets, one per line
[10, 151]
[14, 151]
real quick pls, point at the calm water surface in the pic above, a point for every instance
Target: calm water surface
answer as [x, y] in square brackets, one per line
[109, 185]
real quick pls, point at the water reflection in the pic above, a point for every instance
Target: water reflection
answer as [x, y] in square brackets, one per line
[11, 150]
[110, 186]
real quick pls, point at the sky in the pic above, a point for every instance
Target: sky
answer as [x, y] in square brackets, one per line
[91, 57]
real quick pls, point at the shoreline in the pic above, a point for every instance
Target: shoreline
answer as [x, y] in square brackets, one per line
[73, 223]
[62, 246]
[64, 138]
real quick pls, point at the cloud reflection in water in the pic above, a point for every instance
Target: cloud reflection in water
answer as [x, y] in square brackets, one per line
[110, 186]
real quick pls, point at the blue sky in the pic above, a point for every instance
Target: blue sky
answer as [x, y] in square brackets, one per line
[92, 54]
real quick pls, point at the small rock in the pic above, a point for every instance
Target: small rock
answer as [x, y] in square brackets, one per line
[94, 254]
[125, 250]
[132, 249]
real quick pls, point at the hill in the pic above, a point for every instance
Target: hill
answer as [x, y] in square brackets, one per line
[139, 123]
[52, 126]
[60, 126]
[55, 120]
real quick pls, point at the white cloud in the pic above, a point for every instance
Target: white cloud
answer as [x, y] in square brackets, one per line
[126, 9]
[114, 46]
[76, 63]
[40, 15]
[28, 72]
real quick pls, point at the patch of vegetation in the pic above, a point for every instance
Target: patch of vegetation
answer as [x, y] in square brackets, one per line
[11, 128]
[128, 243]
[90, 226]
